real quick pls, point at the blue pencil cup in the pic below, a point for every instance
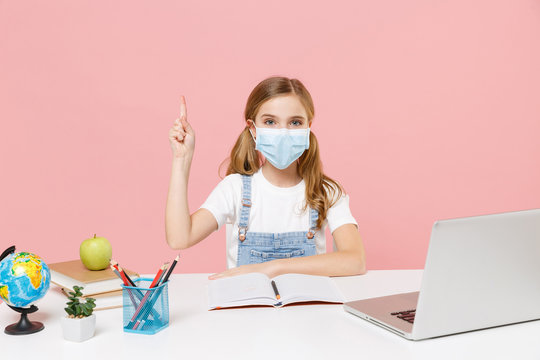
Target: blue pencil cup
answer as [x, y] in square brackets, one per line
[145, 309]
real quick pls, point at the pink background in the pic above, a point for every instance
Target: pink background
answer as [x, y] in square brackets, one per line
[425, 110]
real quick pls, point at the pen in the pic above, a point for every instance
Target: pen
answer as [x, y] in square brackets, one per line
[275, 290]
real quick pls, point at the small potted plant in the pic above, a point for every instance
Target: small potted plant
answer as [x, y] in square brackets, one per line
[80, 323]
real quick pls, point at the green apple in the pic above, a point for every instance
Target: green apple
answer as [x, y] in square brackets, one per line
[95, 253]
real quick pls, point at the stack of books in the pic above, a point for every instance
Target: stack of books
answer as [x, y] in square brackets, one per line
[102, 285]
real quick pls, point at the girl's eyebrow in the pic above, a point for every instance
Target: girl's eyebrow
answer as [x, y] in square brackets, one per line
[292, 117]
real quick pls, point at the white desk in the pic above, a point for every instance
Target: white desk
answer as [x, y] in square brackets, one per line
[309, 331]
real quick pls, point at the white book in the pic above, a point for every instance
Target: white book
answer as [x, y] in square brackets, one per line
[257, 289]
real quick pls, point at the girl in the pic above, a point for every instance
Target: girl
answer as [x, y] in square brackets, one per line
[275, 199]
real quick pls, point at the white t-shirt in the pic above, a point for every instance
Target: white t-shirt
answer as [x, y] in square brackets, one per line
[274, 210]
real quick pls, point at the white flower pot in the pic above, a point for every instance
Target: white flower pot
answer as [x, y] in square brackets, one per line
[78, 329]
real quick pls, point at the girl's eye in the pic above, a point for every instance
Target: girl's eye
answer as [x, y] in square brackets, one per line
[269, 122]
[296, 123]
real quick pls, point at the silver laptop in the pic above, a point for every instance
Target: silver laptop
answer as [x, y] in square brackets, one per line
[480, 272]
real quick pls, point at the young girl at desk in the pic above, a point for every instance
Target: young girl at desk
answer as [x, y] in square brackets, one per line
[275, 198]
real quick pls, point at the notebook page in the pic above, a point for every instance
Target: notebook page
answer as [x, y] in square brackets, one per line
[246, 289]
[300, 287]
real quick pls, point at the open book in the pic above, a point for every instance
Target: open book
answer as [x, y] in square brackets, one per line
[257, 289]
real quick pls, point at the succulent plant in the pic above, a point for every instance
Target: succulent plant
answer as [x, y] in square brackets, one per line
[77, 309]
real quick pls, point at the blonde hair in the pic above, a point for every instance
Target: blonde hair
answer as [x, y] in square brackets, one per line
[321, 191]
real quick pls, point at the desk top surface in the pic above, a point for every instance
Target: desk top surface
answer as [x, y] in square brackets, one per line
[306, 331]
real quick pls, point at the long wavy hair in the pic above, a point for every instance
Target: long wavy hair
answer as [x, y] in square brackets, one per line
[321, 191]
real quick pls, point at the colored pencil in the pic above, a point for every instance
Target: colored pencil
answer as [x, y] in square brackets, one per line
[138, 293]
[150, 303]
[117, 273]
[121, 271]
[117, 266]
[147, 309]
[148, 292]
[123, 274]
[166, 278]
[159, 275]
[153, 295]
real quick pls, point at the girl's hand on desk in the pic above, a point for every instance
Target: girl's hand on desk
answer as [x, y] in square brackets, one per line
[265, 268]
[181, 135]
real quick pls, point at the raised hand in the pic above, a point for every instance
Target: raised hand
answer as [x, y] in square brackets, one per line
[181, 135]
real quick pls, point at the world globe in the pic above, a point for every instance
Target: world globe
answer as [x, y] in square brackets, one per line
[24, 279]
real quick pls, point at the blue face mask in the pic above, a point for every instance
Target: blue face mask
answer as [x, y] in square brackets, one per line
[281, 146]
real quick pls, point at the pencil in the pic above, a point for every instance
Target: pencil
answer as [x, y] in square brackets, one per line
[166, 278]
[166, 265]
[275, 290]
[117, 273]
[158, 275]
[121, 271]
[143, 301]
[150, 304]
[148, 308]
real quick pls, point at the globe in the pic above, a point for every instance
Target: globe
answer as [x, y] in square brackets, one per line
[24, 279]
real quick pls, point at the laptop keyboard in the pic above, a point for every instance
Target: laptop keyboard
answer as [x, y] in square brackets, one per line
[407, 315]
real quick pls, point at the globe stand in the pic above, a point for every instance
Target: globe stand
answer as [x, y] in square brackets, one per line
[24, 326]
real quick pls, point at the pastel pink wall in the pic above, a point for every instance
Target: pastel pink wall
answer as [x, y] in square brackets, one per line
[424, 110]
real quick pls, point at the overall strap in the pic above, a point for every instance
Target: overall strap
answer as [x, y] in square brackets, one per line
[246, 207]
[313, 217]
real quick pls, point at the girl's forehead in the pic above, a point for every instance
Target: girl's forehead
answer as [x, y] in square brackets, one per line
[283, 107]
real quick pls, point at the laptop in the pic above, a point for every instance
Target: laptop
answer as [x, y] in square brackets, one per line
[480, 272]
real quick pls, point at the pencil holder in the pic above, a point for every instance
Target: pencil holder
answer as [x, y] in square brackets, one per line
[145, 309]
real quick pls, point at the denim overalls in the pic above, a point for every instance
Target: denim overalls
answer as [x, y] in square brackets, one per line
[258, 247]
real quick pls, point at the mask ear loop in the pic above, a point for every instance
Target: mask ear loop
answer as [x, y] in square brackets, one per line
[249, 128]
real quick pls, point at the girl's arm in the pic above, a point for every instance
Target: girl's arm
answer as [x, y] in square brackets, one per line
[182, 229]
[349, 259]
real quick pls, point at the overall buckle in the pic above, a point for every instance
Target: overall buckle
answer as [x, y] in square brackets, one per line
[242, 233]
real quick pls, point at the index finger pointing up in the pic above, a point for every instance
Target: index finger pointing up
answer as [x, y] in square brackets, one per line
[183, 110]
